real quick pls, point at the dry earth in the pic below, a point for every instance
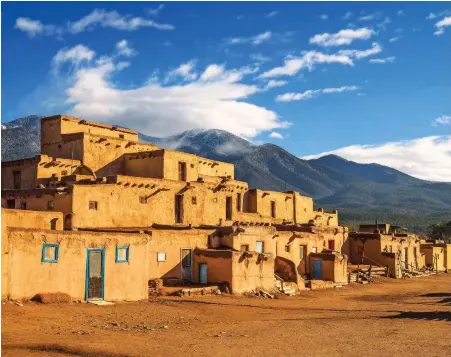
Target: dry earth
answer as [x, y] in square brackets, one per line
[402, 318]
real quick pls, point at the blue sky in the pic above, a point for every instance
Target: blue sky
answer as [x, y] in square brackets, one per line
[368, 81]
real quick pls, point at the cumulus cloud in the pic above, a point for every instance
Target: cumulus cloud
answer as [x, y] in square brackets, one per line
[429, 158]
[343, 37]
[292, 65]
[186, 71]
[311, 93]
[255, 40]
[442, 120]
[76, 55]
[124, 49]
[440, 25]
[276, 135]
[383, 60]
[35, 27]
[161, 110]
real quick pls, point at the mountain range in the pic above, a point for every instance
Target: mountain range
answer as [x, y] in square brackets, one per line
[361, 192]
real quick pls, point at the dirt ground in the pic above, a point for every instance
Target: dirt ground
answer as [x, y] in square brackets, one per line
[392, 317]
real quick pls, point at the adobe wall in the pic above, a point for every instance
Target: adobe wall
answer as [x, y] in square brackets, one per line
[333, 267]
[303, 207]
[119, 203]
[149, 164]
[260, 202]
[53, 127]
[29, 276]
[31, 219]
[37, 199]
[250, 237]
[27, 168]
[171, 242]
[250, 273]
[219, 266]
[430, 251]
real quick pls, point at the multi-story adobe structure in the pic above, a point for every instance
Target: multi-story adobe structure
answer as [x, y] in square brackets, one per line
[98, 214]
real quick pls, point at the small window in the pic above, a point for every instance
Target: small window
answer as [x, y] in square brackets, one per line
[314, 250]
[64, 173]
[194, 200]
[93, 205]
[50, 205]
[259, 246]
[161, 257]
[287, 248]
[50, 253]
[10, 203]
[143, 199]
[122, 254]
[23, 205]
[121, 136]
[244, 247]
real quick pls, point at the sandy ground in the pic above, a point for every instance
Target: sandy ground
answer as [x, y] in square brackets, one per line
[392, 317]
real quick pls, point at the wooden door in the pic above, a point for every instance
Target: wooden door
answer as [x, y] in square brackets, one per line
[317, 273]
[186, 264]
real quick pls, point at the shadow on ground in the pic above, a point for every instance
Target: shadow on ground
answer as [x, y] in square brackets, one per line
[64, 350]
[428, 316]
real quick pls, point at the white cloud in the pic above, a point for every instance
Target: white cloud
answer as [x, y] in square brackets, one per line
[394, 39]
[35, 27]
[113, 19]
[311, 93]
[276, 135]
[275, 83]
[258, 57]
[186, 71]
[359, 54]
[213, 71]
[324, 16]
[433, 16]
[440, 25]
[124, 49]
[429, 158]
[442, 120]
[383, 60]
[272, 14]
[382, 24]
[293, 65]
[400, 13]
[343, 37]
[76, 55]
[347, 15]
[161, 110]
[255, 40]
[155, 11]
[367, 17]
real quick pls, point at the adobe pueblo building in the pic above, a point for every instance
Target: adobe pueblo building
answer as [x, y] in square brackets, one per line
[98, 215]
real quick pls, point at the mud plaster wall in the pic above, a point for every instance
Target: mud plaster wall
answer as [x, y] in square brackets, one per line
[219, 267]
[250, 237]
[252, 273]
[430, 252]
[28, 174]
[145, 166]
[172, 242]
[39, 202]
[29, 276]
[31, 219]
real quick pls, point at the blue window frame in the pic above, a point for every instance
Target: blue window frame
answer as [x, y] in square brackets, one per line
[50, 253]
[122, 253]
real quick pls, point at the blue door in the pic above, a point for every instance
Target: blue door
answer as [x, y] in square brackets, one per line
[317, 270]
[203, 273]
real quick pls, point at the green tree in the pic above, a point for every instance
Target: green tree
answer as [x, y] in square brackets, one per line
[440, 231]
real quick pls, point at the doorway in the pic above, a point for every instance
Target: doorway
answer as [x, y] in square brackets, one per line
[303, 258]
[95, 273]
[16, 179]
[186, 263]
[203, 273]
[178, 208]
[317, 273]
[228, 208]
[406, 262]
[331, 244]
[182, 171]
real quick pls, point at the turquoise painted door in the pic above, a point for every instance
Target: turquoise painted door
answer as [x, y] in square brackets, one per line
[203, 273]
[317, 270]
